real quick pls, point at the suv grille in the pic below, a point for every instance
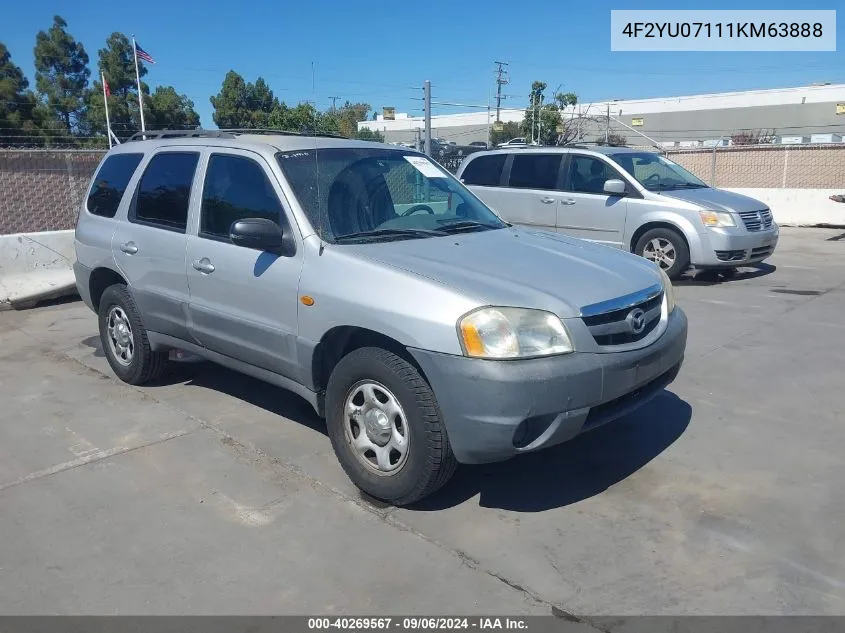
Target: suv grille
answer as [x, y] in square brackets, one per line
[614, 328]
[756, 220]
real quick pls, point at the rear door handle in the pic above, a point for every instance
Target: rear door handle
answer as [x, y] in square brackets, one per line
[567, 201]
[547, 200]
[130, 248]
[203, 265]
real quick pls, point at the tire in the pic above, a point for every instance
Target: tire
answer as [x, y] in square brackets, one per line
[680, 261]
[427, 463]
[142, 364]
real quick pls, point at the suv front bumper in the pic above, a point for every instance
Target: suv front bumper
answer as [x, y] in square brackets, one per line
[494, 410]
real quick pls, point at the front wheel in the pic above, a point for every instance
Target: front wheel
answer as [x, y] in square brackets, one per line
[386, 428]
[666, 248]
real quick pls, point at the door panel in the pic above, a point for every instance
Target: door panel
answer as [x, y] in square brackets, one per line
[149, 248]
[531, 196]
[585, 210]
[243, 301]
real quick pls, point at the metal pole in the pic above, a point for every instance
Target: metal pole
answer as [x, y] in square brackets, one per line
[607, 127]
[106, 103]
[138, 79]
[427, 97]
[628, 127]
[540, 122]
[713, 168]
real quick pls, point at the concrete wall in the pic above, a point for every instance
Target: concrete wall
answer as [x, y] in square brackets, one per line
[35, 266]
[800, 207]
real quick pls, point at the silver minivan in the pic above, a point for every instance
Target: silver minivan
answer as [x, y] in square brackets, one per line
[635, 200]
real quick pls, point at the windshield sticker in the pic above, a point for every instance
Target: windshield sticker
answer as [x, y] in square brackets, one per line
[425, 167]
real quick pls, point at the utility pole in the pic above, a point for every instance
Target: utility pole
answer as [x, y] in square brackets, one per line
[427, 106]
[334, 101]
[501, 80]
[607, 127]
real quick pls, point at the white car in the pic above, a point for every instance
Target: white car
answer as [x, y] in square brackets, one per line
[512, 142]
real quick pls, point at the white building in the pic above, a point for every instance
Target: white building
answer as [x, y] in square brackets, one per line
[804, 111]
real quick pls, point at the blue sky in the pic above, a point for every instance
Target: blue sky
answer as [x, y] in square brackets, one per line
[381, 52]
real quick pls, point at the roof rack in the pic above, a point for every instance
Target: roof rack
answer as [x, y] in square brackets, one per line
[223, 133]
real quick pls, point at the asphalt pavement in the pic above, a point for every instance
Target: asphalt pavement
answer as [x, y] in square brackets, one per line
[215, 493]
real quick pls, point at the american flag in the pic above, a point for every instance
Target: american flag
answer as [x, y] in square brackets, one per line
[143, 54]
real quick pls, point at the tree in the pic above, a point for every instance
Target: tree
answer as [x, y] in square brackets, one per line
[366, 134]
[613, 140]
[348, 117]
[17, 104]
[509, 130]
[555, 126]
[231, 105]
[61, 76]
[117, 63]
[170, 110]
[755, 137]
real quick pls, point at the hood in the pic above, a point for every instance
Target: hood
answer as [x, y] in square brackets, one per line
[519, 267]
[716, 199]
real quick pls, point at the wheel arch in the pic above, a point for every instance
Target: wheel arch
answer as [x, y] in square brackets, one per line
[100, 279]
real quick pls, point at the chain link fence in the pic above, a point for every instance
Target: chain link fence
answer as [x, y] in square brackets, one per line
[819, 166]
[42, 190]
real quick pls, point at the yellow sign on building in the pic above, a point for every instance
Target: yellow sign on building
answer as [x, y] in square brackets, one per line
[636, 122]
[389, 114]
[498, 126]
[840, 108]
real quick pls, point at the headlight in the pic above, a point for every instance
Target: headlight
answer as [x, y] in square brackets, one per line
[668, 290]
[717, 219]
[512, 333]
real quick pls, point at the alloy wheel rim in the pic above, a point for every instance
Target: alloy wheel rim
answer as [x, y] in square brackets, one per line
[120, 338]
[661, 251]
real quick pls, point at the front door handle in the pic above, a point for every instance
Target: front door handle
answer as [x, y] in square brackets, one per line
[130, 248]
[204, 265]
[547, 200]
[568, 201]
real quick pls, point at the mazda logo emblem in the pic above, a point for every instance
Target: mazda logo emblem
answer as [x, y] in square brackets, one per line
[636, 320]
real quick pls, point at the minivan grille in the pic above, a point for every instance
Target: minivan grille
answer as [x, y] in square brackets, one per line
[614, 328]
[757, 220]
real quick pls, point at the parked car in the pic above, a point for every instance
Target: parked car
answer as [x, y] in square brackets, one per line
[480, 144]
[512, 142]
[365, 278]
[635, 200]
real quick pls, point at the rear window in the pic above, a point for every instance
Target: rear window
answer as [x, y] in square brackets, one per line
[164, 191]
[535, 171]
[110, 184]
[484, 170]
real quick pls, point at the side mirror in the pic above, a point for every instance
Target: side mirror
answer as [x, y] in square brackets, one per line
[258, 233]
[614, 187]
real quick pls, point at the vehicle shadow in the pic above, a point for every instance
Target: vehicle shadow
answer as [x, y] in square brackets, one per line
[573, 471]
[713, 277]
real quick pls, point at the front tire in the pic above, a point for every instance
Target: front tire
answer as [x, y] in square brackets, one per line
[666, 248]
[124, 338]
[386, 428]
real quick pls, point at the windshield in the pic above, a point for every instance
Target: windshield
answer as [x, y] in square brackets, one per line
[656, 173]
[363, 193]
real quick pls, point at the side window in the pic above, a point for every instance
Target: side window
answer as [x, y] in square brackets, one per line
[110, 184]
[535, 171]
[588, 174]
[485, 171]
[235, 188]
[165, 190]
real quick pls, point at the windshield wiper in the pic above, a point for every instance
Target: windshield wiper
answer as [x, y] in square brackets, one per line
[388, 233]
[465, 225]
[689, 185]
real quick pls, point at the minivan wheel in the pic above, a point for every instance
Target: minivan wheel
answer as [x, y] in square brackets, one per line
[124, 339]
[666, 248]
[386, 428]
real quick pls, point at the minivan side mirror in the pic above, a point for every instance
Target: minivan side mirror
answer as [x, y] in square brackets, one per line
[614, 187]
[259, 233]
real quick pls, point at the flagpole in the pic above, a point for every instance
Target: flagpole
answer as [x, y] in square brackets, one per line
[106, 102]
[138, 79]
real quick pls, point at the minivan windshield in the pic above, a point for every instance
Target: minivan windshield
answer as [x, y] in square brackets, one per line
[355, 194]
[656, 173]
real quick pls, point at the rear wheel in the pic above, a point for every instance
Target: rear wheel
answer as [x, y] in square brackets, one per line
[124, 338]
[386, 428]
[666, 248]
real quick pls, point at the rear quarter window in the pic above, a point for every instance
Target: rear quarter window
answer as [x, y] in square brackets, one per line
[485, 171]
[110, 184]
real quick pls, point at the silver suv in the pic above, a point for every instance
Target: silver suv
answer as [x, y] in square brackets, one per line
[368, 280]
[632, 199]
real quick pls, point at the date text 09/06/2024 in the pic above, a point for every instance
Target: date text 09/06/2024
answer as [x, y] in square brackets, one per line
[723, 29]
[415, 623]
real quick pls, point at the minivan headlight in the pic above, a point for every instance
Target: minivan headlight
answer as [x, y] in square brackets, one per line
[718, 219]
[668, 290]
[495, 332]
